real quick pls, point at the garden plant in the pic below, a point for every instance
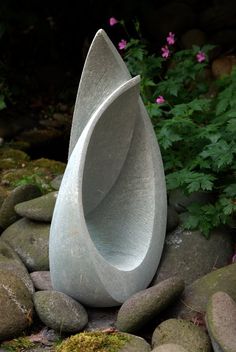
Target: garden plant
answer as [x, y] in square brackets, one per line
[194, 119]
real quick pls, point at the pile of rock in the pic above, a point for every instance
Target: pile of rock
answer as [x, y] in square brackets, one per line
[168, 316]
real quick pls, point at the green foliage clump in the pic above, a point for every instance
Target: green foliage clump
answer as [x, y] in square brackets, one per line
[17, 345]
[195, 125]
[94, 342]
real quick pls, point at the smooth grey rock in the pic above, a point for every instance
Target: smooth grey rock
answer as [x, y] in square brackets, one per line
[56, 182]
[38, 209]
[10, 261]
[221, 322]
[193, 301]
[20, 194]
[189, 255]
[41, 280]
[181, 332]
[16, 306]
[59, 311]
[143, 306]
[109, 221]
[169, 347]
[30, 241]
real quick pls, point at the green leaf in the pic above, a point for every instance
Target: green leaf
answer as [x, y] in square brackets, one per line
[2, 102]
[230, 190]
[220, 153]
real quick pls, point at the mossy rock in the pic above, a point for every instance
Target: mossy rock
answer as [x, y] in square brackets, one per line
[20, 194]
[38, 209]
[16, 306]
[17, 345]
[182, 332]
[190, 255]
[195, 297]
[39, 172]
[104, 342]
[10, 261]
[13, 153]
[60, 312]
[30, 241]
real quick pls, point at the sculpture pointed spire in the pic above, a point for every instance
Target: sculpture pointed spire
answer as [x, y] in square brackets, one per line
[108, 226]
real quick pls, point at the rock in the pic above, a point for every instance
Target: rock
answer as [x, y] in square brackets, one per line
[145, 305]
[172, 219]
[59, 311]
[41, 280]
[195, 297]
[3, 195]
[193, 37]
[180, 201]
[169, 347]
[135, 344]
[101, 318]
[38, 209]
[12, 158]
[16, 306]
[30, 241]
[118, 342]
[221, 322]
[20, 194]
[189, 255]
[56, 182]
[223, 66]
[182, 332]
[10, 261]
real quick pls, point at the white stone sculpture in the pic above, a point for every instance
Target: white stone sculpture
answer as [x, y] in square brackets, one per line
[108, 226]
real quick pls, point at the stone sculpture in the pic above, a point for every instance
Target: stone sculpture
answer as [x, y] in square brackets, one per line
[108, 226]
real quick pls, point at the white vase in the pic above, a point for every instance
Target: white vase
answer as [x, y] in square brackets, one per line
[108, 226]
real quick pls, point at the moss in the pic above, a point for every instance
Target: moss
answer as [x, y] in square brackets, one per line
[56, 167]
[37, 172]
[10, 153]
[17, 345]
[94, 342]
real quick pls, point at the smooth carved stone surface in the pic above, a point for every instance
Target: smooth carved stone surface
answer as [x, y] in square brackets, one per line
[109, 221]
[221, 322]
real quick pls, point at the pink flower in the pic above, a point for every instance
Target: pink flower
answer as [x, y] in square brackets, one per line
[165, 52]
[201, 56]
[122, 44]
[171, 38]
[112, 21]
[160, 99]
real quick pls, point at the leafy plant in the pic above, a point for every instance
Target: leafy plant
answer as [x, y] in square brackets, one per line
[194, 120]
